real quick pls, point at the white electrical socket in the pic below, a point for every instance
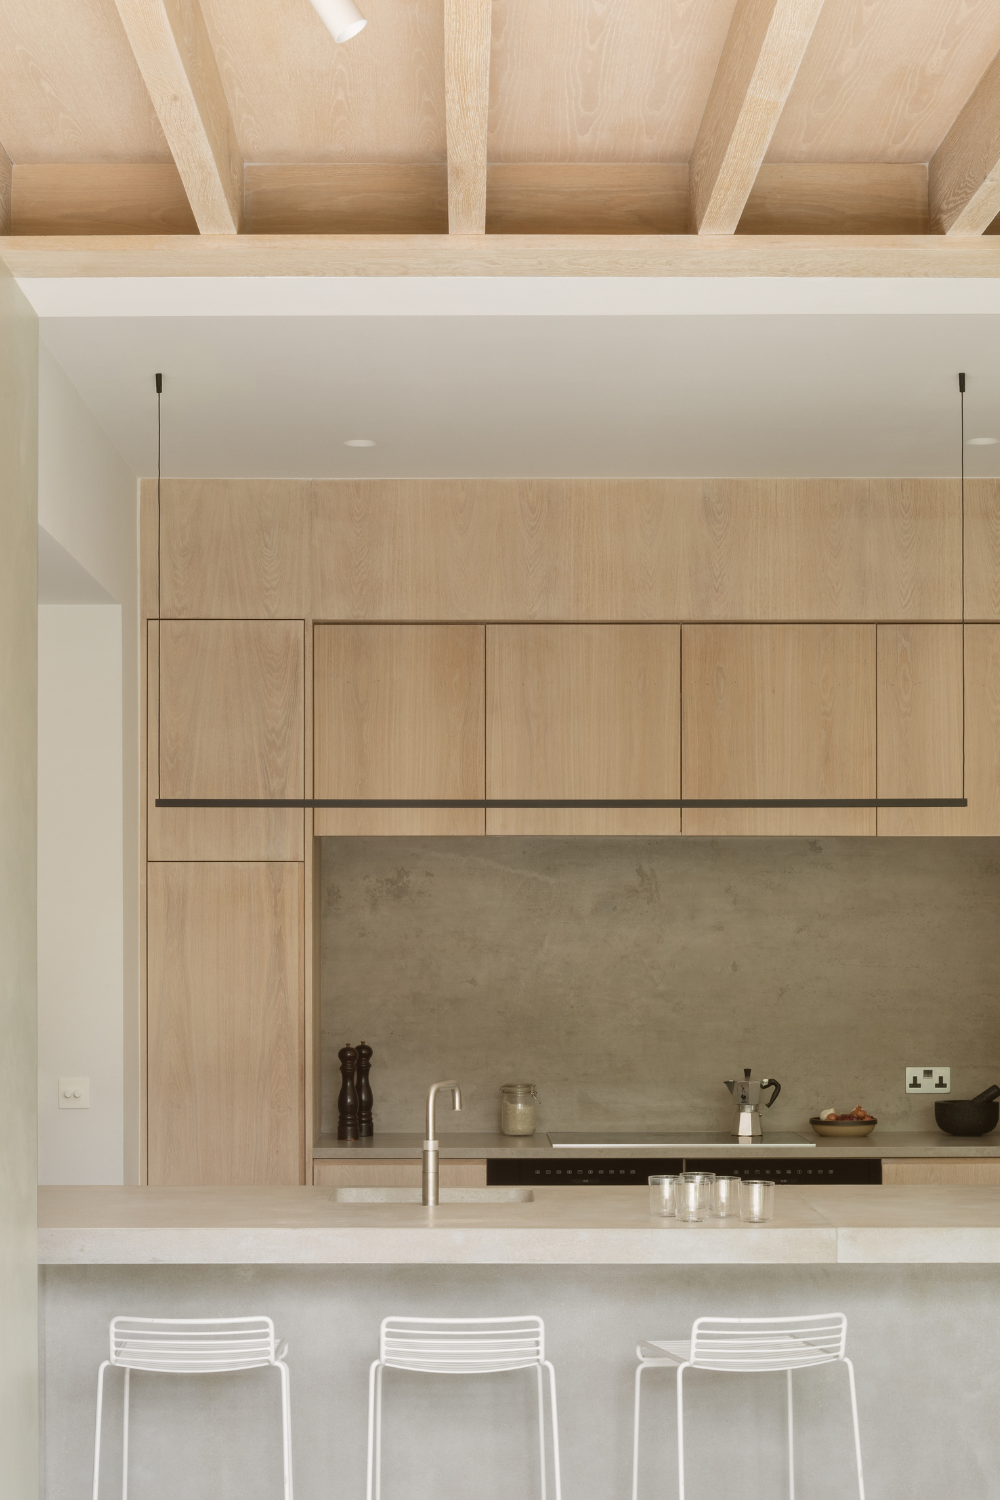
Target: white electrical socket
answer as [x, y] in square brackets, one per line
[921, 1080]
[74, 1093]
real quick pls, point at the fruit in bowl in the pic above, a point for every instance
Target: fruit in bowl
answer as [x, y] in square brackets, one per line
[857, 1123]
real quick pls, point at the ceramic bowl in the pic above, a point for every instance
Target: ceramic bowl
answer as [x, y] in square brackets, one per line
[847, 1129]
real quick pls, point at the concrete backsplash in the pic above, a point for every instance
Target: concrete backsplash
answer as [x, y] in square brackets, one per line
[627, 978]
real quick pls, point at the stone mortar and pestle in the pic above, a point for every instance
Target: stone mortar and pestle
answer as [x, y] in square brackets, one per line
[976, 1116]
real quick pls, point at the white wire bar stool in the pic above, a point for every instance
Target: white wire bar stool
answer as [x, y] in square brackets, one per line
[192, 1346]
[749, 1346]
[461, 1346]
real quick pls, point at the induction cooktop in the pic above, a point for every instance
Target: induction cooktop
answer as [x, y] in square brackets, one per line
[674, 1139]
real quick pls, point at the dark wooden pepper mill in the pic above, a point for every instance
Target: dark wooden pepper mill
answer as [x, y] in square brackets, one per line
[347, 1104]
[365, 1125]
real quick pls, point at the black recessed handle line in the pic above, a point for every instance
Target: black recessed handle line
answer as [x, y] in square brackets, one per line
[584, 802]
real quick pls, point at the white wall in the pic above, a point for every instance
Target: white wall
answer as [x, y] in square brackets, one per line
[18, 679]
[80, 882]
[89, 934]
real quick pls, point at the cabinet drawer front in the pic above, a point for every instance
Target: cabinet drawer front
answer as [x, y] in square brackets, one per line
[935, 1171]
[395, 1173]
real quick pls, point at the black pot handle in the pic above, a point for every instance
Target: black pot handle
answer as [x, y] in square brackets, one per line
[772, 1083]
[988, 1095]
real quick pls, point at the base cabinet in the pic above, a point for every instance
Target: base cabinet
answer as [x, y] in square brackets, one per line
[935, 1171]
[395, 1173]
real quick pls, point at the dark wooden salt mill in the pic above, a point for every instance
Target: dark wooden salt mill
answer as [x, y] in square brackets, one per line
[347, 1104]
[365, 1124]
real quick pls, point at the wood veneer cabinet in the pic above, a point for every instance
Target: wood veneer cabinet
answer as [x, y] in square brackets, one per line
[399, 712]
[225, 1016]
[920, 719]
[579, 712]
[226, 712]
[935, 1171]
[778, 711]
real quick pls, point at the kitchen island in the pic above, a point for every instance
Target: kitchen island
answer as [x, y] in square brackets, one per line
[914, 1269]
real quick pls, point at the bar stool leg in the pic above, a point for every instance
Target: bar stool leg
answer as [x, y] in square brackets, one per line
[635, 1433]
[791, 1442]
[555, 1429]
[371, 1429]
[286, 1427]
[857, 1429]
[97, 1438]
[128, 1372]
[680, 1430]
[378, 1431]
[541, 1426]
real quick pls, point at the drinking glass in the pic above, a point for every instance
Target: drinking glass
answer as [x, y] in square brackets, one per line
[756, 1201]
[706, 1185]
[691, 1205]
[726, 1198]
[663, 1196]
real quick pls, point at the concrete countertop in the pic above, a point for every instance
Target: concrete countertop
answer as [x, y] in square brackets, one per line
[880, 1144]
[562, 1226]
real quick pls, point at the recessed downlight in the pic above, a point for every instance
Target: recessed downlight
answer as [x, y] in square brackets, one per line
[983, 442]
[359, 443]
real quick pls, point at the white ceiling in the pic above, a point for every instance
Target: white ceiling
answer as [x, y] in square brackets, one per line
[61, 579]
[669, 393]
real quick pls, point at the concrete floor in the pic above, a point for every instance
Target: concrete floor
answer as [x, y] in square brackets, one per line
[923, 1339]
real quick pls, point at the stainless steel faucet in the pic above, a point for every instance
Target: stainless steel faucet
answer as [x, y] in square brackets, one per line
[430, 1178]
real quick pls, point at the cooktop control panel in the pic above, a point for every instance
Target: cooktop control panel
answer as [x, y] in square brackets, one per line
[634, 1171]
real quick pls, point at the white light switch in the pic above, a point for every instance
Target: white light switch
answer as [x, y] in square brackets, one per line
[74, 1093]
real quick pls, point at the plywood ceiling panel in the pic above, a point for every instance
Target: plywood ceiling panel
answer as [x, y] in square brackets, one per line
[70, 90]
[602, 80]
[298, 97]
[882, 80]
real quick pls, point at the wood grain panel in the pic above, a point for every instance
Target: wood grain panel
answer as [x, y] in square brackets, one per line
[764, 47]
[379, 98]
[982, 549]
[930, 256]
[404, 1172]
[586, 198]
[579, 80]
[778, 711]
[70, 90]
[936, 1171]
[920, 718]
[211, 833]
[346, 198]
[982, 751]
[837, 198]
[105, 199]
[224, 1006]
[6, 180]
[583, 711]
[174, 52]
[399, 712]
[884, 82]
[235, 548]
[467, 102]
[656, 549]
[965, 169]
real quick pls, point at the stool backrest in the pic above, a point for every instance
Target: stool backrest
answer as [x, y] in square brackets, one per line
[768, 1343]
[192, 1346]
[467, 1346]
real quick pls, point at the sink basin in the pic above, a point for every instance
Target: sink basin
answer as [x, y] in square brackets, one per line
[448, 1195]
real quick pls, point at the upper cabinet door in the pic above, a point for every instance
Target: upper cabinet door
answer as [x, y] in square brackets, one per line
[581, 712]
[227, 720]
[779, 711]
[920, 721]
[399, 714]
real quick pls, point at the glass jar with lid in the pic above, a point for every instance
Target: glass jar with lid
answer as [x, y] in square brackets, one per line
[517, 1108]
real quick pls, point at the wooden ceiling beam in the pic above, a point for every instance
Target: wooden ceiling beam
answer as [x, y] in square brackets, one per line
[909, 256]
[175, 57]
[467, 101]
[964, 174]
[764, 47]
